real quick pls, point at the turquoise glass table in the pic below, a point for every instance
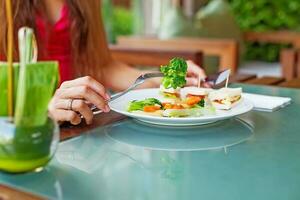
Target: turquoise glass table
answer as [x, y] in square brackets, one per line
[256, 156]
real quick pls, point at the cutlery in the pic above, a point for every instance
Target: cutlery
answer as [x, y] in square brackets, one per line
[213, 80]
[140, 80]
[217, 78]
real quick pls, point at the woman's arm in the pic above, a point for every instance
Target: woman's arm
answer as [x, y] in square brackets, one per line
[119, 76]
[73, 97]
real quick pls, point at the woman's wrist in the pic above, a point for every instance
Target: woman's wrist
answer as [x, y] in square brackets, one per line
[155, 82]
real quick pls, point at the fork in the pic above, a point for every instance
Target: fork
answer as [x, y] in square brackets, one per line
[140, 80]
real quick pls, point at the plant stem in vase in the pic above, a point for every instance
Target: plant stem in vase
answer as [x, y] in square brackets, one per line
[10, 46]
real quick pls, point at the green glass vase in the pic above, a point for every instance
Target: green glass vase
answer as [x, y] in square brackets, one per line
[26, 148]
[28, 141]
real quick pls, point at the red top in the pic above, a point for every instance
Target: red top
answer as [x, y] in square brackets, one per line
[55, 42]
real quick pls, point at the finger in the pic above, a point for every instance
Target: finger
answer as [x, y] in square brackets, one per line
[61, 115]
[207, 85]
[89, 82]
[191, 81]
[61, 104]
[195, 70]
[77, 105]
[85, 93]
[81, 107]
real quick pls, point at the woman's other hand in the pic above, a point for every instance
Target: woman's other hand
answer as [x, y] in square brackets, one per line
[73, 99]
[193, 74]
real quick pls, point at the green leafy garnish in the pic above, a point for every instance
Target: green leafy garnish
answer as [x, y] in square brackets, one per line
[201, 103]
[139, 105]
[174, 73]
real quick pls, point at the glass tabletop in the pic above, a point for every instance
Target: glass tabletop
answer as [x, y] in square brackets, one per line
[255, 156]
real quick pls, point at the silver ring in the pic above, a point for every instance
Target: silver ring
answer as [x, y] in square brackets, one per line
[70, 104]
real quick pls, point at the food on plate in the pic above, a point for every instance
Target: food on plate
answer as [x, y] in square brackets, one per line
[170, 95]
[225, 98]
[150, 106]
[147, 103]
[194, 95]
[179, 101]
[174, 78]
[174, 73]
[154, 107]
[189, 112]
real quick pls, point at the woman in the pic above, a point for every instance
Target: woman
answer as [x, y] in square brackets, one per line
[71, 31]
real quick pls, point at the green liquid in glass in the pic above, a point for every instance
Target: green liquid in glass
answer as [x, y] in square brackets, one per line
[23, 148]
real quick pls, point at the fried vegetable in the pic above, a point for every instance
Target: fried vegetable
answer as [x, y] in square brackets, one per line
[174, 73]
[139, 105]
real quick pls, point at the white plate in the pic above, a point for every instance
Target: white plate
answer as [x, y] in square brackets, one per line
[120, 106]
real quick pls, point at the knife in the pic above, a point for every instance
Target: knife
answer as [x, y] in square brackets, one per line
[217, 78]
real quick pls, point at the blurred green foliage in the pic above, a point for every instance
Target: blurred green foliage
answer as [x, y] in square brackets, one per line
[264, 51]
[254, 15]
[122, 22]
[117, 20]
[266, 15]
[263, 15]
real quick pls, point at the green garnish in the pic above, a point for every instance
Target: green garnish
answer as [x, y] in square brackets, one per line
[174, 73]
[201, 103]
[139, 105]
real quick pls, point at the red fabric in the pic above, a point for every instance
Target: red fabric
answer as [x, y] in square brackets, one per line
[55, 43]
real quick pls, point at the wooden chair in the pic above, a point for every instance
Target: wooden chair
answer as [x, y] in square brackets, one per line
[136, 56]
[225, 49]
[288, 57]
[289, 61]
[277, 37]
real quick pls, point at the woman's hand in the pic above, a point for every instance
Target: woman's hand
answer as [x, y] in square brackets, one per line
[194, 72]
[73, 99]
